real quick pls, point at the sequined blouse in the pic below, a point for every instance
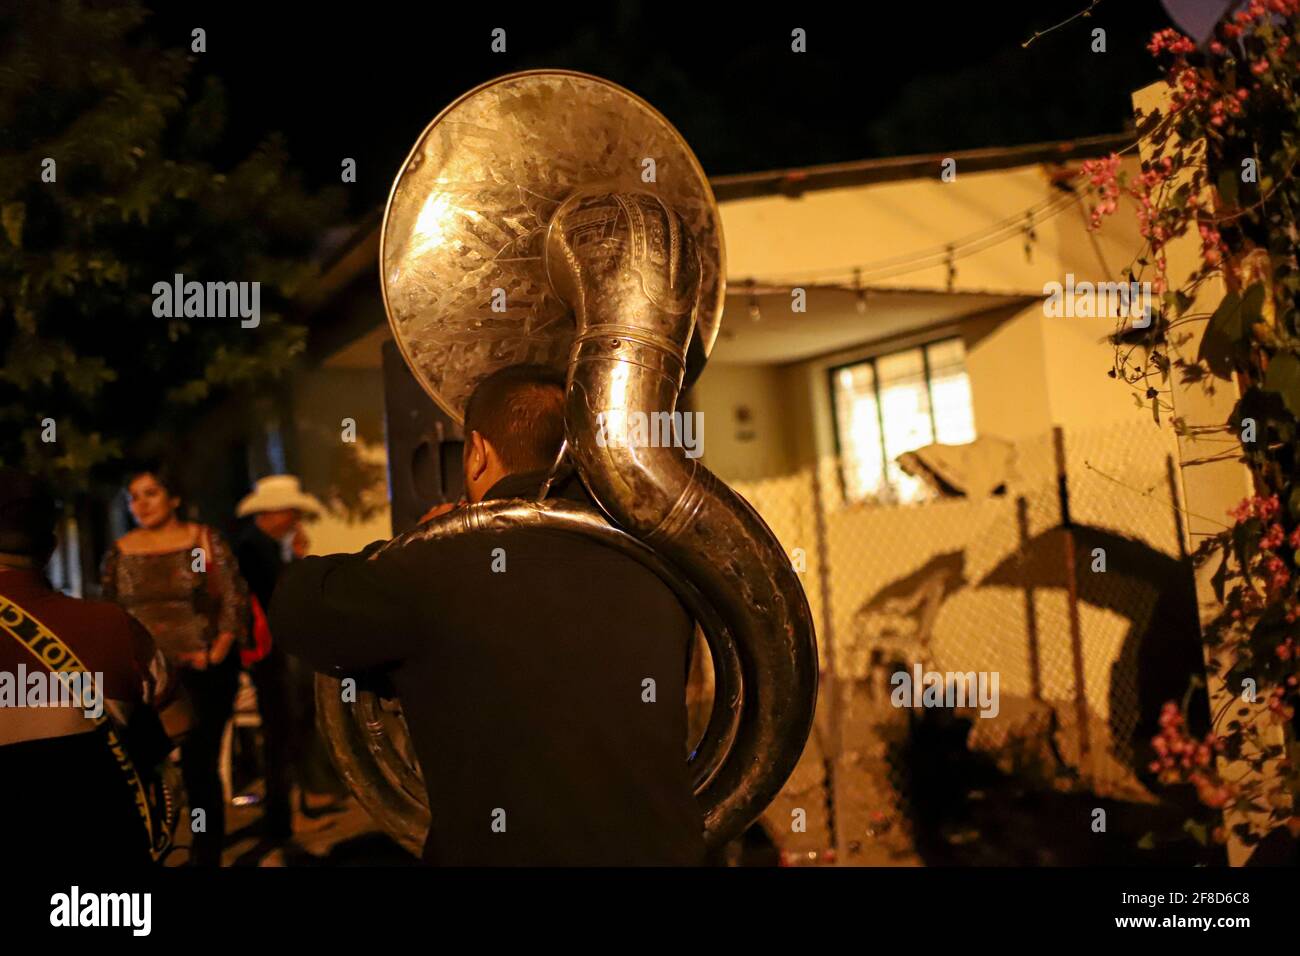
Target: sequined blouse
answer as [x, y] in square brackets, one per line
[183, 608]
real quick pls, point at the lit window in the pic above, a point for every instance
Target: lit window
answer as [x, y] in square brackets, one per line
[894, 404]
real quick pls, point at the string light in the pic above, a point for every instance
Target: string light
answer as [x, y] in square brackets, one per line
[944, 255]
[754, 314]
[1030, 237]
[861, 292]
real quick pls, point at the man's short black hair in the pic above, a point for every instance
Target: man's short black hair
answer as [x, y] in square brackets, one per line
[27, 514]
[519, 411]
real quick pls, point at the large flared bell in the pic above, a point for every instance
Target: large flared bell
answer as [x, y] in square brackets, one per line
[461, 257]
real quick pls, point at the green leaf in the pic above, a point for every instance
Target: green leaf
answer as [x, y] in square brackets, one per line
[1283, 377]
[1228, 186]
[1252, 308]
[1220, 577]
[1245, 542]
[12, 215]
[1219, 343]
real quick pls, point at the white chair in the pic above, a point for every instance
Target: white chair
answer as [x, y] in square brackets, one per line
[245, 715]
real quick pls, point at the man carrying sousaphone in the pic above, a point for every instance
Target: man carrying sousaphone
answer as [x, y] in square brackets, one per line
[537, 637]
[542, 676]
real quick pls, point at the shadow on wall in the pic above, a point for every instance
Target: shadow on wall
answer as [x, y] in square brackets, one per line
[965, 811]
[1161, 651]
[969, 805]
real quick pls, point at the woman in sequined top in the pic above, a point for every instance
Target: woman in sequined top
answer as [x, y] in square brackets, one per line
[179, 579]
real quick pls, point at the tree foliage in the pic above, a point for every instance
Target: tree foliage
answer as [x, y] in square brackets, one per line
[132, 128]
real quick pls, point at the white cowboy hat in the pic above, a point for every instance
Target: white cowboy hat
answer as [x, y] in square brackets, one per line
[275, 493]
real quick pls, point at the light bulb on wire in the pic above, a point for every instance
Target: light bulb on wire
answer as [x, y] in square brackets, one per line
[861, 303]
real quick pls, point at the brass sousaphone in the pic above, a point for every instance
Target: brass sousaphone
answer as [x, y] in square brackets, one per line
[555, 217]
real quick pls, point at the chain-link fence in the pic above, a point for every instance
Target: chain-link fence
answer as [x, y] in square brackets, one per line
[1067, 600]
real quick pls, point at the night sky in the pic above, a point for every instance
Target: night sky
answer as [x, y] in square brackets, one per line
[880, 79]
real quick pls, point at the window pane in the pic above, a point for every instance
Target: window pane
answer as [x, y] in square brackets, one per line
[905, 408]
[859, 431]
[954, 419]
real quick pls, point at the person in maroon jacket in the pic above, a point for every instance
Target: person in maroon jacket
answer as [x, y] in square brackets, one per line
[63, 796]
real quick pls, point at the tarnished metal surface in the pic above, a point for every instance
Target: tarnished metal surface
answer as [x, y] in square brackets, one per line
[469, 209]
[632, 276]
[627, 264]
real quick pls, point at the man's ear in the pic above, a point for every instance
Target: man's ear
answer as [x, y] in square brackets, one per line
[476, 456]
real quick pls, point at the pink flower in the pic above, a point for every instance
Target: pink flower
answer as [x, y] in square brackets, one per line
[1256, 507]
[1170, 40]
[1102, 174]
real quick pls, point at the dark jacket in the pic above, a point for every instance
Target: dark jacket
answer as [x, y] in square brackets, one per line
[260, 560]
[523, 689]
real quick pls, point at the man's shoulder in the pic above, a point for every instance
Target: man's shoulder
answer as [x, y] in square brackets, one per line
[103, 618]
[83, 622]
[106, 611]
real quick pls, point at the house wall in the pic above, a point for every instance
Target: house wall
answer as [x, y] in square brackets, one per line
[1028, 372]
[761, 444]
[350, 477]
[779, 238]
[1077, 358]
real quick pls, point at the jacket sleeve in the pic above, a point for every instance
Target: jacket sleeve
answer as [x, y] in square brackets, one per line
[344, 611]
[233, 616]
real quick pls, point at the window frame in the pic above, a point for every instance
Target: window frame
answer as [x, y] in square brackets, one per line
[872, 359]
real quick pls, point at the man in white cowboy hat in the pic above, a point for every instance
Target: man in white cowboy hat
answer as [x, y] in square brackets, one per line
[277, 504]
[269, 539]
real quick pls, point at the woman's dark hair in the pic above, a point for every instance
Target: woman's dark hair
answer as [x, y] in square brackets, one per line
[161, 472]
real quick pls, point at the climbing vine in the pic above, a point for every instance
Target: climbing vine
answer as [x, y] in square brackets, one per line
[1220, 166]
